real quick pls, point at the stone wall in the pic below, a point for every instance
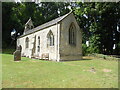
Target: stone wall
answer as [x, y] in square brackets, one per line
[67, 51]
[44, 49]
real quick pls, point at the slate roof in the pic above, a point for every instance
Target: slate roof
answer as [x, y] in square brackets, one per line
[54, 21]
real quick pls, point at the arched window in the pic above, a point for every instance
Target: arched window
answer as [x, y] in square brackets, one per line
[38, 44]
[27, 42]
[72, 34]
[38, 41]
[50, 39]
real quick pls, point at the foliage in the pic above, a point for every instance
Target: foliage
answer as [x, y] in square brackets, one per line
[15, 15]
[8, 51]
[98, 21]
[84, 49]
[33, 73]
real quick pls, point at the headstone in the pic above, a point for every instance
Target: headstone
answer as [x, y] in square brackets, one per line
[20, 48]
[17, 54]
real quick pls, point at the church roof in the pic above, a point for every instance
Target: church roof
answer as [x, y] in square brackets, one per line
[54, 21]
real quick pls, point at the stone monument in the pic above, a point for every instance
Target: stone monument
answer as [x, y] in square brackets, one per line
[17, 54]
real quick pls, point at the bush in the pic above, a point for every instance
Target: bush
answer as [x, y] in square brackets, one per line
[8, 51]
[89, 50]
[84, 49]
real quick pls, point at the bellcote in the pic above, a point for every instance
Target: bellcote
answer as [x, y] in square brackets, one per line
[29, 25]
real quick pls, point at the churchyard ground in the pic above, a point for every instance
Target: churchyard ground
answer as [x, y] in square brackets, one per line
[90, 72]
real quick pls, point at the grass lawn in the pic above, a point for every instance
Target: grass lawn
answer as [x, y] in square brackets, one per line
[32, 73]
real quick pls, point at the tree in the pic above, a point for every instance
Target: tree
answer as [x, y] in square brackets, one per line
[98, 22]
[15, 15]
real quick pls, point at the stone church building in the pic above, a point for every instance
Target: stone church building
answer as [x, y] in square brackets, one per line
[56, 40]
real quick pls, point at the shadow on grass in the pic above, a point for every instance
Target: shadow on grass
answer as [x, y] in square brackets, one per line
[74, 60]
[86, 59]
[56, 61]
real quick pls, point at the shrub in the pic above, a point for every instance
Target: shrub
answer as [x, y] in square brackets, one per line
[8, 51]
[84, 49]
[89, 50]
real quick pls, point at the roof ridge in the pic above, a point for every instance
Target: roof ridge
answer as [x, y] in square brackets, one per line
[47, 24]
[56, 18]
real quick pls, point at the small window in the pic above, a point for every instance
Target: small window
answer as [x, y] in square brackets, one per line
[27, 42]
[50, 39]
[38, 40]
[72, 34]
[38, 48]
[38, 44]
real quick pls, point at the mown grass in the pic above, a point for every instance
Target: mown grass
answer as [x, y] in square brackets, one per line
[33, 73]
[105, 57]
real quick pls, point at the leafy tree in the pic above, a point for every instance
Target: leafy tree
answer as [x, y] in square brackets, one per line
[98, 22]
[15, 15]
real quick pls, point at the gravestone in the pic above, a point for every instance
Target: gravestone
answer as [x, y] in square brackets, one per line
[17, 54]
[20, 48]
